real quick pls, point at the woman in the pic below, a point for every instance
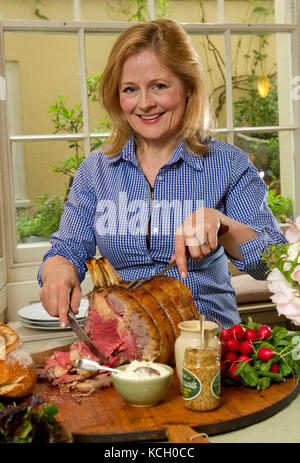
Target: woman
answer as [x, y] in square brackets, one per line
[162, 186]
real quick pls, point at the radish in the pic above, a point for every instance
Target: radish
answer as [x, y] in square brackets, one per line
[244, 358]
[264, 354]
[237, 332]
[246, 347]
[231, 372]
[274, 368]
[251, 335]
[230, 357]
[225, 335]
[264, 332]
[232, 345]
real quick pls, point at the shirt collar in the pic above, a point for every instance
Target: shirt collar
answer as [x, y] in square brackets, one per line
[128, 154]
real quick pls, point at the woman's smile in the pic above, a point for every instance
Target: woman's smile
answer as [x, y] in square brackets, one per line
[150, 119]
[152, 97]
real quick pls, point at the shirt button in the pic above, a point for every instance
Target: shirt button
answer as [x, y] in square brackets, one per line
[155, 230]
[160, 178]
[156, 205]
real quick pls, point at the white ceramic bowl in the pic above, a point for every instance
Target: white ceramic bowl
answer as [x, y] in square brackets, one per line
[143, 392]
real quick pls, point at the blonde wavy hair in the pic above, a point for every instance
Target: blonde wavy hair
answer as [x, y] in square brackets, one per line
[174, 48]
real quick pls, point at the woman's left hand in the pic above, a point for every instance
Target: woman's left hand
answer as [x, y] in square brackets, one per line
[198, 236]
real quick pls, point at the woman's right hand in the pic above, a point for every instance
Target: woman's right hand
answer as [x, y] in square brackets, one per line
[61, 288]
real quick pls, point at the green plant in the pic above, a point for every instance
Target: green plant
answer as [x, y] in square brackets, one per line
[255, 111]
[252, 110]
[280, 205]
[43, 220]
[37, 11]
[45, 217]
[249, 55]
[136, 10]
[71, 121]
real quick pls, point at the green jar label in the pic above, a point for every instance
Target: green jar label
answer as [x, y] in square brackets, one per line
[191, 385]
[215, 386]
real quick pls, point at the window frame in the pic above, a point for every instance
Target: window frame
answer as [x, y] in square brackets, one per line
[21, 255]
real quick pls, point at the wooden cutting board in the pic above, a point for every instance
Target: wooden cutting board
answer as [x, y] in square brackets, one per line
[103, 416]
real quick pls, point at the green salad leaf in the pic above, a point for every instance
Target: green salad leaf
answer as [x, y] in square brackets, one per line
[27, 423]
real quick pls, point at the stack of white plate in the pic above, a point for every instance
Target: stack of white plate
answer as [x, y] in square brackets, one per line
[35, 316]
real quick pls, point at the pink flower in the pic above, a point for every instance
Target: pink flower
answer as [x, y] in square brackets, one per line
[290, 311]
[292, 234]
[296, 274]
[284, 296]
[278, 284]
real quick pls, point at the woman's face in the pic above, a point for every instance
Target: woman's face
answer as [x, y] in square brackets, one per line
[152, 97]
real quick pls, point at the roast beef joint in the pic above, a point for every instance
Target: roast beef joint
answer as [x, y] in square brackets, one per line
[126, 324]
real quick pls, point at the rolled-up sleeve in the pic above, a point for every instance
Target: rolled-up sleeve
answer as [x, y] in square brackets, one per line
[75, 239]
[247, 202]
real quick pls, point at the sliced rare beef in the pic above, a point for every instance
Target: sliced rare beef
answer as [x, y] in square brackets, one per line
[126, 324]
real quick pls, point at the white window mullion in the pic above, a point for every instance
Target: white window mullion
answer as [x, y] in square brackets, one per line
[7, 198]
[57, 137]
[77, 10]
[221, 14]
[228, 77]
[83, 91]
[151, 10]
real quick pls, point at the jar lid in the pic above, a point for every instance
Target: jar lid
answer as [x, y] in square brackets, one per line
[194, 325]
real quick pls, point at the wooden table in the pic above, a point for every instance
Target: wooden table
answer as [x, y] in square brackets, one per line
[106, 414]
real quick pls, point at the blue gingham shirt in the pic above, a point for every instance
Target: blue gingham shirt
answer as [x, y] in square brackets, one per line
[110, 203]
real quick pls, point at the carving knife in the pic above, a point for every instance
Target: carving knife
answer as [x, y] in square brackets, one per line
[84, 337]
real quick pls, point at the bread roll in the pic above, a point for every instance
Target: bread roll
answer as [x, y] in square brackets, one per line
[17, 371]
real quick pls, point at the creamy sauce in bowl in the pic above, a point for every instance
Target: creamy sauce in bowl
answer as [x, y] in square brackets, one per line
[129, 372]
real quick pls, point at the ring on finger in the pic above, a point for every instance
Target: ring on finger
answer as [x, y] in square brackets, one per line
[204, 244]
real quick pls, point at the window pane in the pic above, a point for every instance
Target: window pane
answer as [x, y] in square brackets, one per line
[95, 63]
[46, 169]
[50, 10]
[188, 10]
[263, 150]
[211, 50]
[254, 80]
[45, 69]
[221, 136]
[272, 155]
[112, 10]
[261, 80]
[247, 11]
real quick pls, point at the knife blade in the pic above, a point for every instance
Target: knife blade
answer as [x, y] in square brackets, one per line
[84, 337]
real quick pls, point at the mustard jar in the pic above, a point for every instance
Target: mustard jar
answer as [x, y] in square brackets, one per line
[201, 379]
[190, 336]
